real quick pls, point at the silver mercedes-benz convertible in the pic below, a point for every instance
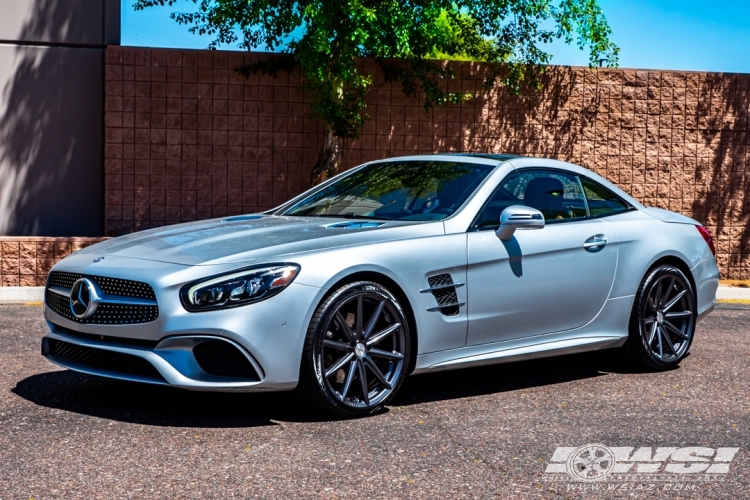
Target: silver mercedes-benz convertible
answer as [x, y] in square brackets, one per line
[399, 266]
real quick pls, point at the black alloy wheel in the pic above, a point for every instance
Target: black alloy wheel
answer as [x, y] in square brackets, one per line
[662, 323]
[356, 350]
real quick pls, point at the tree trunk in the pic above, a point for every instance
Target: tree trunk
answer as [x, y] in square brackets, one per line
[329, 159]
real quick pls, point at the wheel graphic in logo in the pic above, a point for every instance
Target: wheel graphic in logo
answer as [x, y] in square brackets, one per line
[592, 462]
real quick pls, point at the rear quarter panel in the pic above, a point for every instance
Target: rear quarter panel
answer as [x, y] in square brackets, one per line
[643, 240]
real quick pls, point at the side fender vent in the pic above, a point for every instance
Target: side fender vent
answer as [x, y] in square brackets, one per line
[443, 289]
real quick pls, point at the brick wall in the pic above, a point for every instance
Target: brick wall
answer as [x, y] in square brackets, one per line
[188, 138]
[26, 261]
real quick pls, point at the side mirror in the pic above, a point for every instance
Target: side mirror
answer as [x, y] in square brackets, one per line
[518, 217]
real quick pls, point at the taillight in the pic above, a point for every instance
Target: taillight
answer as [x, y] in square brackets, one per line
[709, 239]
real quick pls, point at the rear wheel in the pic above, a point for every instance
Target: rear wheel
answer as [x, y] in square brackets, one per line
[662, 323]
[356, 350]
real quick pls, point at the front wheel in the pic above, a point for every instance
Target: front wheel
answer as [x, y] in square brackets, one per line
[356, 350]
[662, 323]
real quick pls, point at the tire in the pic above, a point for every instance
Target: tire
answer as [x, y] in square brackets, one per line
[358, 329]
[662, 323]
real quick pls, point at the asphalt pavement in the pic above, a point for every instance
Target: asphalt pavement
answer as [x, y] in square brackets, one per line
[473, 433]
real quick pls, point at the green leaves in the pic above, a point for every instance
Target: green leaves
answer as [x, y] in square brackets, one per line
[324, 39]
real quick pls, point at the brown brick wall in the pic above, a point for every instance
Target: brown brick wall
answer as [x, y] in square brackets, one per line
[188, 138]
[26, 261]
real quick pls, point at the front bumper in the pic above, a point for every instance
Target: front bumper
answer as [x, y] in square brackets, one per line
[270, 334]
[171, 361]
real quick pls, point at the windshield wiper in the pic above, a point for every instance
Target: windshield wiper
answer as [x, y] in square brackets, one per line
[349, 216]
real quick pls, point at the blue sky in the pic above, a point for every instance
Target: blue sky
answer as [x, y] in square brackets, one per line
[659, 34]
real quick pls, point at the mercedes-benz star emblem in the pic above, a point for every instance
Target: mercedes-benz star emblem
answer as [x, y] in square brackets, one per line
[83, 299]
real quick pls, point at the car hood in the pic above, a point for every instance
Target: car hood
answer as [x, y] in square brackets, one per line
[244, 238]
[667, 216]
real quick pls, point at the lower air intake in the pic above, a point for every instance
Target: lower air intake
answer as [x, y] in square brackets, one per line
[217, 357]
[101, 359]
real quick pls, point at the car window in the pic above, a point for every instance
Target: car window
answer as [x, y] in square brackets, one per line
[556, 194]
[405, 190]
[602, 201]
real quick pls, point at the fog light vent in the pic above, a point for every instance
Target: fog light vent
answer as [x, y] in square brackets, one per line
[220, 358]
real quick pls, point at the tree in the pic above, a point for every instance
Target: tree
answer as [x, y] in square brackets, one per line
[325, 38]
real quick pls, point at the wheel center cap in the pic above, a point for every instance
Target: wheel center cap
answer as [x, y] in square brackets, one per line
[359, 349]
[660, 317]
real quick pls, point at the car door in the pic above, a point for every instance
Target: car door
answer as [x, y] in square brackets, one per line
[540, 281]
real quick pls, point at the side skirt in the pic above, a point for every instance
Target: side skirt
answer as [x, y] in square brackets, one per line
[609, 329]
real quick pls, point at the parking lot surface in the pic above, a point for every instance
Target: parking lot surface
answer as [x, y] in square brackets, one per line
[473, 433]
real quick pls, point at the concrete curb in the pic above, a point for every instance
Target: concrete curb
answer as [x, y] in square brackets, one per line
[23, 294]
[732, 293]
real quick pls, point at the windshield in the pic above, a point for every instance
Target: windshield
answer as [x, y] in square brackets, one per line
[406, 190]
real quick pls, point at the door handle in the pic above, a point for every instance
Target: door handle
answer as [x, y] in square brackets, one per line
[595, 243]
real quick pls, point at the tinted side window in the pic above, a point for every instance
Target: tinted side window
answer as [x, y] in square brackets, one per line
[601, 200]
[557, 195]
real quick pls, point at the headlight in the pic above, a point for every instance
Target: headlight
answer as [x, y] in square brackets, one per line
[238, 288]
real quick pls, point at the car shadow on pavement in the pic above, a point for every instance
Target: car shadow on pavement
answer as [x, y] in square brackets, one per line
[166, 406]
[159, 405]
[511, 376]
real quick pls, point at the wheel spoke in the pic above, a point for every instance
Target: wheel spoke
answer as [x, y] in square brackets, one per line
[675, 330]
[665, 334]
[341, 346]
[658, 294]
[658, 338]
[681, 314]
[339, 364]
[672, 302]
[651, 304]
[373, 319]
[652, 334]
[363, 382]
[669, 290]
[379, 353]
[348, 381]
[648, 320]
[383, 334]
[358, 324]
[345, 327]
[376, 371]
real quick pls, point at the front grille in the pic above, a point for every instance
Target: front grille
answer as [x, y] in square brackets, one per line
[101, 359]
[217, 357]
[110, 286]
[106, 314]
[59, 304]
[65, 280]
[127, 288]
[444, 295]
